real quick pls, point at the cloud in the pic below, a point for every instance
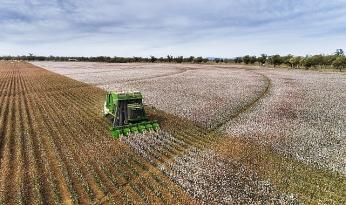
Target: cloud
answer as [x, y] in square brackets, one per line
[158, 27]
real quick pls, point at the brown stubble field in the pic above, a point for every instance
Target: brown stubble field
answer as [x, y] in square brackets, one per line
[55, 146]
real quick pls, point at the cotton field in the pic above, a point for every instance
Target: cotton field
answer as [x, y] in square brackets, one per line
[303, 115]
[105, 73]
[232, 134]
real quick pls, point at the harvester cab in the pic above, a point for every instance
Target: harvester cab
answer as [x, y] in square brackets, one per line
[126, 113]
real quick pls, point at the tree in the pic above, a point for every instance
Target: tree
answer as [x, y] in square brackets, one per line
[247, 59]
[198, 59]
[294, 62]
[169, 58]
[286, 60]
[253, 59]
[339, 62]
[31, 57]
[153, 59]
[262, 59]
[190, 59]
[306, 62]
[317, 60]
[136, 59]
[179, 59]
[238, 60]
[329, 59]
[339, 52]
[275, 60]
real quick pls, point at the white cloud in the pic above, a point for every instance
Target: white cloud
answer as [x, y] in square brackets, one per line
[196, 27]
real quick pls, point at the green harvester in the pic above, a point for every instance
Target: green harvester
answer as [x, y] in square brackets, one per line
[126, 113]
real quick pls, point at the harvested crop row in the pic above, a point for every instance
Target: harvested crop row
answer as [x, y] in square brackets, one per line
[59, 149]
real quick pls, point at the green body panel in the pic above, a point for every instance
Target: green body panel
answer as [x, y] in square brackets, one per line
[113, 98]
[130, 105]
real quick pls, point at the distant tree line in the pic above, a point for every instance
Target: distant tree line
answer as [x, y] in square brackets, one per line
[107, 59]
[336, 60]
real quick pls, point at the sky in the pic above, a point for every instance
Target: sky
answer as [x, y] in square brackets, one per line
[218, 28]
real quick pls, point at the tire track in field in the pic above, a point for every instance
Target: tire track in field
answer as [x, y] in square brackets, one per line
[263, 93]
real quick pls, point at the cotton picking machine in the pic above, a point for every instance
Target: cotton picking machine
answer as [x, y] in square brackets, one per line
[125, 110]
